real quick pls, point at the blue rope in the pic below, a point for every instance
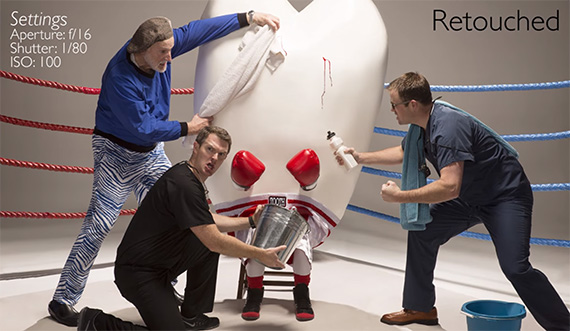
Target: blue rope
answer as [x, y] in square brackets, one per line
[397, 133]
[535, 187]
[520, 137]
[514, 137]
[537, 136]
[467, 234]
[550, 187]
[498, 87]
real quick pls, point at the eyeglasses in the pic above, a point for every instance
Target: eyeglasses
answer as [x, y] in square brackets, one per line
[212, 151]
[399, 103]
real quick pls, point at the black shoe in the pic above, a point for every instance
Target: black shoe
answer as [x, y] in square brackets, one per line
[201, 322]
[252, 306]
[87, 319]
[62, 313]
[303, 310]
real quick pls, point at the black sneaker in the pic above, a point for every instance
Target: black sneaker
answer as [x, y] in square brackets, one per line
[62, 313]
[252, 305]
[201, 322]
[87, 319]
[303, 309]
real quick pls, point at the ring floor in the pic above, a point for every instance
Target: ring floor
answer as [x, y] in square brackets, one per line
[347, 293]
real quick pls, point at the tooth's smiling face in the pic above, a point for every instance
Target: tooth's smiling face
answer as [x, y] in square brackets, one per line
[332, 79]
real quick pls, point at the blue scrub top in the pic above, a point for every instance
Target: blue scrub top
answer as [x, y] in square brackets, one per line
[490, 173]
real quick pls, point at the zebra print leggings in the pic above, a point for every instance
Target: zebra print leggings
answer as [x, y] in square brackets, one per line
[117, 172]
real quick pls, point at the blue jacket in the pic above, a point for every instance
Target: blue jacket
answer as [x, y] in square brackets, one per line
[134, 106]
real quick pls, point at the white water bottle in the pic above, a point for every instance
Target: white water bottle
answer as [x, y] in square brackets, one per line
[337, 145]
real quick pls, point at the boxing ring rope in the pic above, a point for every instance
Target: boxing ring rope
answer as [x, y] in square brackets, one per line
[511, 137]
[373, 171]
[535, 187]
[50, 215]
[498, 87]
[71, 88]
[467, 234]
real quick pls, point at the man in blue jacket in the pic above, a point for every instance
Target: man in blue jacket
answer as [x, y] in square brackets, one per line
[131, 124]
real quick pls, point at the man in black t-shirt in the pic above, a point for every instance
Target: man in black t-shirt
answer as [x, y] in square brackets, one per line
[173, 231]
[480, 181]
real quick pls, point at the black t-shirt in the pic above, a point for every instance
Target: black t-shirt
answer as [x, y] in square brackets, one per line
[159, 238]
[490, 172]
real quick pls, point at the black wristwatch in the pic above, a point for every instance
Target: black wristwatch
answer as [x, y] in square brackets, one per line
[250, 16]
[251, 222]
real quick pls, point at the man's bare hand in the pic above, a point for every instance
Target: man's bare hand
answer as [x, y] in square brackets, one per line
[390, 191]
[198, 123]
[262, 19]
[270, 258]
[349, 150]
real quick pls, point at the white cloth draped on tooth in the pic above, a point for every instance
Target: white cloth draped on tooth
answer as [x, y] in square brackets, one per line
[259, 46]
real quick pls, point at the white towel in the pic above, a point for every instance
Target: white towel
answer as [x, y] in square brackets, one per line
[259, 46]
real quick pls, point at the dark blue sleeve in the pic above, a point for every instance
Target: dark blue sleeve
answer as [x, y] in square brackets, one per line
[199, 32]
[453, 140]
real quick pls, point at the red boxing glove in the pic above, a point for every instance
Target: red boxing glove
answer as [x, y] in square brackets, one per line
[246, 169]
[305, 167]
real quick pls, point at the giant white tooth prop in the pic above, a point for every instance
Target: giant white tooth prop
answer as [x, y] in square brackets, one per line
[331, 80]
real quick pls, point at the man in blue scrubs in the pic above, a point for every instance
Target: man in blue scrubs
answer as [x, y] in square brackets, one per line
[480, 181]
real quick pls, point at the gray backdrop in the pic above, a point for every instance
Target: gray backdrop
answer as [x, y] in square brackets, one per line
[460, 57]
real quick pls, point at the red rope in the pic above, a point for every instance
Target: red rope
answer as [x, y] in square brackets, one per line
[45, 166]
[55, 127]
[47, 83]
[52, 167]
[71, 88]
[182, 90]
[46, 126]
[28, 214]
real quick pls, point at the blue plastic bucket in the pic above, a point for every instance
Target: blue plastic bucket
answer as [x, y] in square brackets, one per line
[493, 315]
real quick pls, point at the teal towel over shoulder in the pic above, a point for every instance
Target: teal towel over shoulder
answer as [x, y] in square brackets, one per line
[414, 216]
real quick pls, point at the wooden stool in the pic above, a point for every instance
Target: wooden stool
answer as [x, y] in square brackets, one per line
[242, 281]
